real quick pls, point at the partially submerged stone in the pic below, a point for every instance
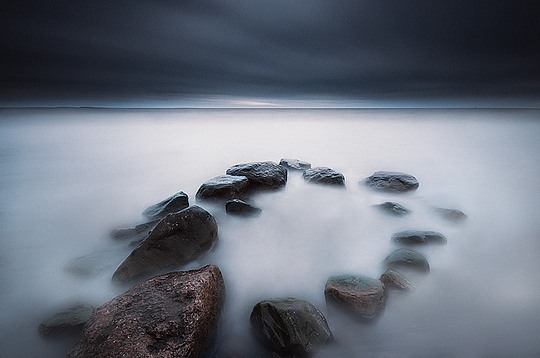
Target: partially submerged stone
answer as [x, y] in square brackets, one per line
[290, 325]
[393, 280]
[177, 239]
[172, 315]
[394, 182]
[418, 237]
[453, 215]
[222, 187]
[393, 208]
[68, 321]
[261, 175]
[241, 208]
[172, 204]
[294, 164]
[361, 295]
[134, 233]
[93, 264]
[324, 175]
[407, 259]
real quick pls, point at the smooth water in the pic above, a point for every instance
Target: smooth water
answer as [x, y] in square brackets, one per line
[67, 177]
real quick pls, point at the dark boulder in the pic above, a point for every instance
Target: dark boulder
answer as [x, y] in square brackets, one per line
[134, 233]
[393, 280]
[290, 325]
[393, 182]
[261, 175]
[175, 241]
[241, 208]
[66, 322]
[294, 164]
[172, 315]
[392, 208]
[172, 204]
[407, 259]
[324, 175]
[453, 215]
[416, 237]
[223, 187]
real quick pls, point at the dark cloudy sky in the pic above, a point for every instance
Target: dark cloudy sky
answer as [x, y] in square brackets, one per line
[101, 51]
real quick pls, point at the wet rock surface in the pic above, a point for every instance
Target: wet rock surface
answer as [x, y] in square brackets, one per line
[417, 237]
[261, 175]
[241, 208]
[172, 315]
[66, 322]
[290, 325]
[324, 175]
[394, 182]
[361, 295]
[175, 241]
[222, 187]
[393, 280]
[393, 208]
[172, 204]
[294, 164]
[407, 259]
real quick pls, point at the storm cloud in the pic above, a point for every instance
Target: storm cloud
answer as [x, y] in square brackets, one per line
[278, 48]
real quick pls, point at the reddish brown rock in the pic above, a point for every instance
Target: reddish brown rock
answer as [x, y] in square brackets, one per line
[172, 315]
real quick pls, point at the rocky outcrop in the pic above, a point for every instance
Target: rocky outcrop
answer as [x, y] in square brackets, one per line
[393, 280]
[176, 240]
[294, 164]
[407, 259]
[363, 296]
[324, 175]
[172, 315]
[68, 321]
[241, 208]
[223, 187]
[393, 182]
[261, 175]
[416, 237]
[172, 204]
[290, 325]
[393, 208]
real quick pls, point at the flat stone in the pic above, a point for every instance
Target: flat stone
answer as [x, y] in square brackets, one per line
[417, 237]
[394, 182]
[407, 259]
[294, 164]
[324, 175]
[393, 208]
[261, 175]
[393, 280]
[223, 187]
[453, 215]
[172, 204]
[241, 208]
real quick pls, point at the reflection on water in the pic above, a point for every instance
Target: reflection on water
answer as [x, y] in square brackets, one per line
[67, 177]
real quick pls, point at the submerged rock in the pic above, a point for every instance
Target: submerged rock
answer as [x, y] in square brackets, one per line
[69, 321]
[290, 325]
[93, 264]
[453, 215]
[394, 182]
[416, 237]
[172, 315]
[172, 204]
[393, 280]
[175, 241]
[363, 296]
[294, 164]
[240, 207]
[261, 175]
[138, 232]
[324, 175]
[393, 208]
[223, 187]
[408, 259]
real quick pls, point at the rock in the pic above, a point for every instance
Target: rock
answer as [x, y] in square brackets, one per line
[294, 164]
[363, 296]
[69, 321]
[415, 237]
[408, 259]
[239, 207]
[223, 187]
[138, 232]
[261, 175]
[394, 182]
[175, 241]
[172, 315]
[93, 264]
[290, 325]
[393, 208]
[393, 280]
[172, 204]
[324, 175]
[453, 215]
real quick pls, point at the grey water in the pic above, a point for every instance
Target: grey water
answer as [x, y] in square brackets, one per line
[70, 176]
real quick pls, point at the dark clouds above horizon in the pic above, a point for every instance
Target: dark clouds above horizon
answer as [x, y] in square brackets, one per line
[270, 49]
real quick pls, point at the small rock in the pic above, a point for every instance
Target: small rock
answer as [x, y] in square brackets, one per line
[261, 175]
[364, 296]
[453, 215]
[415, 237]
[324, 175]
[394, 280]
[393, 208]
[68, 321]
[138, 232]
[408, 259]
[294, 164]
[223, 187]
[290, 325]
[172, 204]
[394, 182]
[240, 207]
[93, 264]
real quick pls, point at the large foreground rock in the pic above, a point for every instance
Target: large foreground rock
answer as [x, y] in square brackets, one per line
[261, 175]
[223, 187]
[172, 204]
[363, 296]
[393, 182]
[324, 175]
[176, 240]
[407, 259]
[173, 315]
[417, 237]
[290, 325]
